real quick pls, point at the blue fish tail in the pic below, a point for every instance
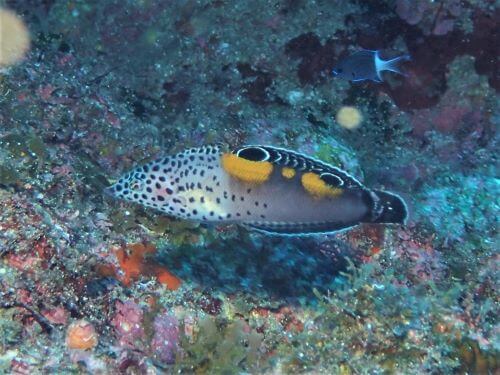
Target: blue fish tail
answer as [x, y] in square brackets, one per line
[393, 64]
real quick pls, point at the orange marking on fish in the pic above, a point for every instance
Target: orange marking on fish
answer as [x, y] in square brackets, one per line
[246, 170]
[314, 185]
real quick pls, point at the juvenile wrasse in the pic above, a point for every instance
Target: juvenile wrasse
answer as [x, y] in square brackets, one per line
[266, 188]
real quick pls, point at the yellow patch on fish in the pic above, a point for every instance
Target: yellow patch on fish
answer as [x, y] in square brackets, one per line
[288, 172]
[255, 172]
[314, 185]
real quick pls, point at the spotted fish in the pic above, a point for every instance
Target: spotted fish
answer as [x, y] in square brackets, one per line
[266, 188]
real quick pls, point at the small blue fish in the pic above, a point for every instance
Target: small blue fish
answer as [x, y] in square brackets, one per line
[367, 65]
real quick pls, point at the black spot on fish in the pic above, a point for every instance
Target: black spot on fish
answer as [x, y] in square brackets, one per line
[136, 196]
[156, 168]
[249, 191]
[118, 188]
[160, 198]
[211, 213]
[191, 158]
[158, 185]
[148, 182]
[162, 178]
[217, 200]
[149, 190]
[253, 154]
[153, 177]
[169, 191]
[202, 199]
[145, 169]
[249, 213]
[332, 180]
[191, 200]
[195, 212]
[202, 173]
[144, 196]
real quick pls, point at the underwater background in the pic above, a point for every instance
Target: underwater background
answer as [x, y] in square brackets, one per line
[90, 89]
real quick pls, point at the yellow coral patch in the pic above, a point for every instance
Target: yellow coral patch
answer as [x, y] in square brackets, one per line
[288, 172]
[314, 185]
[247, 170]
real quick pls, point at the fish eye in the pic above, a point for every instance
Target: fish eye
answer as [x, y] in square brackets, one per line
[135, 185]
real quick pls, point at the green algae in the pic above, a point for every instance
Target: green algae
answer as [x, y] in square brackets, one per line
[369, 324]
[90, 173]
[21, 145]
[221, 347]
[8, 175]
[10, 329]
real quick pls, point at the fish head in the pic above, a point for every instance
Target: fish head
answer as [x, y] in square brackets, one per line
[342, 70]
[150, 185]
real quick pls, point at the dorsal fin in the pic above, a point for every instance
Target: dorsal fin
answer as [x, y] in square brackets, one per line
[331, 175]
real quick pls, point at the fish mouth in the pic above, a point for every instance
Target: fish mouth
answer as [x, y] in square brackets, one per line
[109, 191]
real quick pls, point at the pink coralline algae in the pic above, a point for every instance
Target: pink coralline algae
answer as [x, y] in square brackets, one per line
[411, 11]
[166, 338]
[128, 323]
[426, 262]
[434, 18]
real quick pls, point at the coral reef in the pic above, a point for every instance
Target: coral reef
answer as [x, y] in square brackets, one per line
[92, 285]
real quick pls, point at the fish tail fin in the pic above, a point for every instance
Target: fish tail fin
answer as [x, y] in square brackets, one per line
[393, 64]
[387, 208]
